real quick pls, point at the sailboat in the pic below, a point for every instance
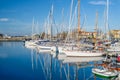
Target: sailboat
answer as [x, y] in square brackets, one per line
[46, 46]
[31, 42]
[77, 52]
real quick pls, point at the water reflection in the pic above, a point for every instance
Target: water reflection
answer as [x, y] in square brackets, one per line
[59, 67]
[1, 44]
[21, 63]
[32, 57]
[3, 55]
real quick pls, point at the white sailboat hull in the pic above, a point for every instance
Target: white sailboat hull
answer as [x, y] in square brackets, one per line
[30, 47]
[42, 48]
[83, 53]
[81, 59]
[30, 43]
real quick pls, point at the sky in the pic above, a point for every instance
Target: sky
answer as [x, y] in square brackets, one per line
[16, 16]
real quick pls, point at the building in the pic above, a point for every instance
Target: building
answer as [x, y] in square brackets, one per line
[115, 34]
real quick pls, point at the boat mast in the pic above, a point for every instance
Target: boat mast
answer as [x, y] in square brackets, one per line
[70, 20]
[33, 27]
[107, 12]
[51, 22]
[96, 29]
[78, 30]
[62, 27]
[78, 16]
[96, 25]
[96, 22]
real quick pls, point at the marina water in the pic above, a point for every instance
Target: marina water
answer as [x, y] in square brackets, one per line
[20, 63]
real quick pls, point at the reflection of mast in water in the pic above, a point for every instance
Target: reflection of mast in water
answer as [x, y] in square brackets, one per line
[32, 59]
[50, 67]
[60, 70]
[42, 65]
[36, 60]
[76, 72]
[68, 72]
[78, 66]
[46, 64]
[80, 63]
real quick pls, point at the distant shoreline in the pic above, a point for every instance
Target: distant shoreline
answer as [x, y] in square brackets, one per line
[12, 39]
[4, 40]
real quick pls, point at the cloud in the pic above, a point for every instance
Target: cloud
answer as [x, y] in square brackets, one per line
[4, 19]
[98, 2]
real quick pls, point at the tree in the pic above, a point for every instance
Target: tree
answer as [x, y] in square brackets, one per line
[1, 35]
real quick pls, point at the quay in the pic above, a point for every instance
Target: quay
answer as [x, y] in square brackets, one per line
[15, 38]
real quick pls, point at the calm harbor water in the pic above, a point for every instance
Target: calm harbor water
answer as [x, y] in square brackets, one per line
[20, 63]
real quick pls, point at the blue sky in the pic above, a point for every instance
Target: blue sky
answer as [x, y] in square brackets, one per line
[16, 15]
